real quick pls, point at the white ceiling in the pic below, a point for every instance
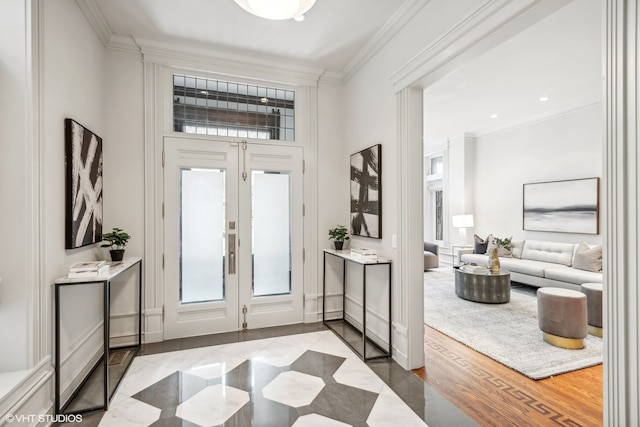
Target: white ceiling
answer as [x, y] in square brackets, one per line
[559, 57]
[333, 33]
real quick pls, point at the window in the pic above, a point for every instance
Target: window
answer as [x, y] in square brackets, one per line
[436, 166]
[215, 107]
[439, 220]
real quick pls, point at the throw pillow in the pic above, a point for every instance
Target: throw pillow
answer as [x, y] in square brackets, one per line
[517, 246]
[588, 258]
[480, 245]
[504, 246]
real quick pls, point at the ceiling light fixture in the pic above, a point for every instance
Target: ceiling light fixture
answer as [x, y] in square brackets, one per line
[276, 9]
[494, 116]
[544, 98]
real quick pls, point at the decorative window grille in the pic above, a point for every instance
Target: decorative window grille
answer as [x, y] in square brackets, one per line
[215, 107]
[439, 216]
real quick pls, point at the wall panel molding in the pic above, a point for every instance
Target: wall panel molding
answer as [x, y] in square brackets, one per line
[621, 184]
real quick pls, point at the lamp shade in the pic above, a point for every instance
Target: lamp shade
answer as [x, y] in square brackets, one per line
[276, 9]
[462, 221]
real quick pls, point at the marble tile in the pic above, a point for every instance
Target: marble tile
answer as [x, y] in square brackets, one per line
[390, 410]
[184, 360]
[215, 364]
[126, 411]
[356, 373]
[332, 345]
[303, 340]
[315, 420]
[141, 374]
[172, 390]
[213, 405]
[293, 388]
[343, 403]
[321, 365]
[258, 378]
[279, 353]
[250, 376]
[245, 349]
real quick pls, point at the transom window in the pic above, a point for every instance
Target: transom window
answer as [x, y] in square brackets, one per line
[215, 107]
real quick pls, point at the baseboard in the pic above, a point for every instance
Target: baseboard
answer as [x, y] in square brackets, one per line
[153, 325]
[30, 402]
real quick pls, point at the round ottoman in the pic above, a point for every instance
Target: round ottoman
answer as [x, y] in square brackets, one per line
[562, 317]
[593, 291]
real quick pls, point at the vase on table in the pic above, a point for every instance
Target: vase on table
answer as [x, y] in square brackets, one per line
[494, 261]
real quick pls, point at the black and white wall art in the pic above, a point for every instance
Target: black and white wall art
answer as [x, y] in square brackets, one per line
[366, 213]
[83, 159]
[570, 206]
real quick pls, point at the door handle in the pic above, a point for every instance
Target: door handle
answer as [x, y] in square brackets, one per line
[232, 254]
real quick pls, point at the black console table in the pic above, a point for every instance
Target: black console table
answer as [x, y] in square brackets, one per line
[115, 270]
[346, 331]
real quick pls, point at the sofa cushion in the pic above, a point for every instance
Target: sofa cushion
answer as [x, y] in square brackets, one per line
[554, 252]
[526, 266]
[517, 245]
[572, 275]
[588, 257]
[480, 245]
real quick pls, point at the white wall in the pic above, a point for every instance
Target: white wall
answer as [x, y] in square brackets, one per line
[372, 115]
[73, 87]
[565, 146]
[13, 187]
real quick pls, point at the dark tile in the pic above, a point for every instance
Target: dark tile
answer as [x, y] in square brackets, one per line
[249, 376]
[160, 347]
[343, 403]
[261, 412]
[88, 420]
[321, 365]
[427, 403]
[172, 390]
[173, 422]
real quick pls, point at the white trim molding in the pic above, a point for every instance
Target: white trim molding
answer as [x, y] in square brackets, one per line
[494, 21]
[227, 63]
[32, 396]
[96, 19]
[621, 185]
[394, 24]
[408, 293]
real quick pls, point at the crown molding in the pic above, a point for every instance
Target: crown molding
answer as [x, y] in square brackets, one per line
[332, 78]
[94, 15]
[492, 22]
[225, 62]
[123, 44]
[571, 108]
[394, 24]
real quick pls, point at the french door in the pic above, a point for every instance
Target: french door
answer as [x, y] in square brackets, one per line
[233, 236]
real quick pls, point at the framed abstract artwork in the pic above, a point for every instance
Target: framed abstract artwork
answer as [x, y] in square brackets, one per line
[366, 194]
[83, 164]
[570, 206]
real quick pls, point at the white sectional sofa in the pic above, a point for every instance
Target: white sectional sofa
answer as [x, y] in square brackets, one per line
[542, 263]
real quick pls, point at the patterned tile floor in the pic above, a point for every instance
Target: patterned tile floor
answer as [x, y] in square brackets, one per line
[302, 379]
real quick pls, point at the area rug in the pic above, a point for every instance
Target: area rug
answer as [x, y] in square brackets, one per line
[507, 333]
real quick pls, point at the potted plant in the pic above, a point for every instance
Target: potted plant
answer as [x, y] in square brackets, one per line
[339, 234]
[117, 240]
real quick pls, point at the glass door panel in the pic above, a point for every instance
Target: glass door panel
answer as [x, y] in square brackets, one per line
[202, 236]
[271, 233]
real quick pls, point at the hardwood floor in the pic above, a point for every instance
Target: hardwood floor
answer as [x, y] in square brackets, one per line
[494, 395]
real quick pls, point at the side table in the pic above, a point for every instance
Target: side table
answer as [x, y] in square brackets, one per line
[115, 270]
[342, 327]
